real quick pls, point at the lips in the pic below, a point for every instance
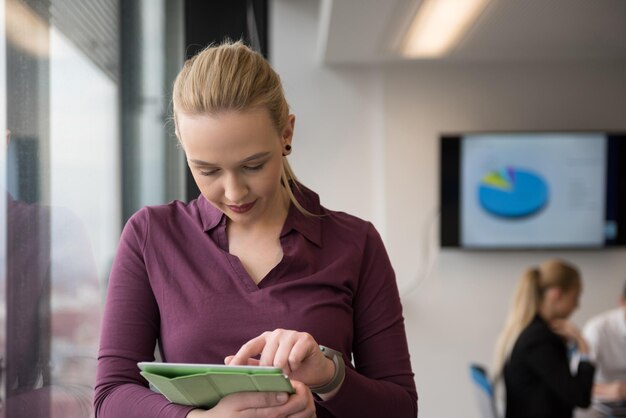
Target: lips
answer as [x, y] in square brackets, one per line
[241, 208]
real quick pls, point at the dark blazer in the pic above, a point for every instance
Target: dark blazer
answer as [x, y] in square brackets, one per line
[538, 379]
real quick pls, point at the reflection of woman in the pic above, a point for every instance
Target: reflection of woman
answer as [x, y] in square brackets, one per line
[255, 270]
[532, 352]
[50, 344]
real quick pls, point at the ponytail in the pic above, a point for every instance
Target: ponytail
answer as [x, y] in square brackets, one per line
[526, 302]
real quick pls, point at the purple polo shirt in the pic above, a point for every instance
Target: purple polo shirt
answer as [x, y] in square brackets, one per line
[173, 281]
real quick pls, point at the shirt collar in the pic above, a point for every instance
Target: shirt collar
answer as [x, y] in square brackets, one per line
[309, 226]
[210, 215]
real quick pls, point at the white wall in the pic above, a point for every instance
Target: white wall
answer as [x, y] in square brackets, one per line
[367, 142]
[338, 135]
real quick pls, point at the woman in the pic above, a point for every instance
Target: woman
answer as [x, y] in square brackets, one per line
[532, 351]
[254, 271]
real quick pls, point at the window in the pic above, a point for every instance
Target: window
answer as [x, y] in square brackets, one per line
[74, 166]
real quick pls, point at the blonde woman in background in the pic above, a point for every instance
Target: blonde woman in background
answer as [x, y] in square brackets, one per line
[532, 350]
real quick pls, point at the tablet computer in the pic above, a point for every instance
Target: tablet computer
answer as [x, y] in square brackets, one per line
[203, 385]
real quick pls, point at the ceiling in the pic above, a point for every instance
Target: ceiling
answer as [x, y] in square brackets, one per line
[369, 31]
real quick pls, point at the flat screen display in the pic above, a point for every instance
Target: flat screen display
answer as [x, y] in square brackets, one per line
[523, 190]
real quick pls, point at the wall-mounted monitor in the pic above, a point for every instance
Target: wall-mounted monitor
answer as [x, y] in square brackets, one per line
[533, 190]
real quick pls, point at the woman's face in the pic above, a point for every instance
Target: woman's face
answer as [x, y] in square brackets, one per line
[235, 158]
[567, 302]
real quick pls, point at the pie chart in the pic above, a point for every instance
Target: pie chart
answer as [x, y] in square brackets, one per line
[512, 192]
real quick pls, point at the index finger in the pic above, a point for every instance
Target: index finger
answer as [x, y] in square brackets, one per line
[252, 348]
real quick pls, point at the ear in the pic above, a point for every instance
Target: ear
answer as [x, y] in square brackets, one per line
[287, 133]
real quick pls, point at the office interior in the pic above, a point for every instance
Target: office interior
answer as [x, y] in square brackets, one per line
[85, 103]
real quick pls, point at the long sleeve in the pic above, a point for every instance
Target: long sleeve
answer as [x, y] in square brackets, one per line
[129, 334]
[382, 383]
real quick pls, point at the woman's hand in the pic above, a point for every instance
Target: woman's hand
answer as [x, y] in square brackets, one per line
[613, 391]
[569, 331]
[262, 405]
[297, 353]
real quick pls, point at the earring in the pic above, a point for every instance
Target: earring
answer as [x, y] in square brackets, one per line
[287, 150]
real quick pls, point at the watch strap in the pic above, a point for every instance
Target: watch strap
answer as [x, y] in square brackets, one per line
[340, 371]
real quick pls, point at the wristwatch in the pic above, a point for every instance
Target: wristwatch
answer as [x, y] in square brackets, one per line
[340, 371]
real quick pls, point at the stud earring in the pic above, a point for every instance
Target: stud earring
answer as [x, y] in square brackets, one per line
[287, 150]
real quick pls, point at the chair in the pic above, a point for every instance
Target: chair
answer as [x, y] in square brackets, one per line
[484, 391]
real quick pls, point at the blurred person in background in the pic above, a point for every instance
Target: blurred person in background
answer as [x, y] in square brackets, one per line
[606, 335]
[532, 354]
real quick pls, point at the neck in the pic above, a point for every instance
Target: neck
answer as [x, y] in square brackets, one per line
[279, 211]
[546, 313]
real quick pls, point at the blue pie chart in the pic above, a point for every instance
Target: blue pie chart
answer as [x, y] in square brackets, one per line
[512, 192]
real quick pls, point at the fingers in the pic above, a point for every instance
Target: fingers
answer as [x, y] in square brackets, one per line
[279, 348]
[273, 351]
[251, 361]
[303, 348]
[609, 391]
[303, 401]
[253, 400]
[281, 351]
[252, 348]
[268, 404]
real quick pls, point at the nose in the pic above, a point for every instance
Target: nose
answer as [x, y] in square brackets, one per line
[235, 189]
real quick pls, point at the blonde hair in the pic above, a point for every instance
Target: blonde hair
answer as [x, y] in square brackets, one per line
[228, 77]
[526, 302]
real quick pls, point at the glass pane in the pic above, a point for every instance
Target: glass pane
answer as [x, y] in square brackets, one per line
[62, 89]
[60, 212]
[3, 223]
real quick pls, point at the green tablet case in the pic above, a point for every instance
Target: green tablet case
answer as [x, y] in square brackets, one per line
[203, 385]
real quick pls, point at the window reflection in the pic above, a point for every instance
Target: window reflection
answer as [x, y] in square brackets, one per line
[61, 203]
[52, 307]
[84, 145]
[77, 123]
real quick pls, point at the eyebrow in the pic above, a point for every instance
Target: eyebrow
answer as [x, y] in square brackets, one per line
[253, 157]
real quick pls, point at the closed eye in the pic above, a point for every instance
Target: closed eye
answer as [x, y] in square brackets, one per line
[208, 172]
[254, 167]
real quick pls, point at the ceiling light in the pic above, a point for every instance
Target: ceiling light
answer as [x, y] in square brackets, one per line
[438, 25]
